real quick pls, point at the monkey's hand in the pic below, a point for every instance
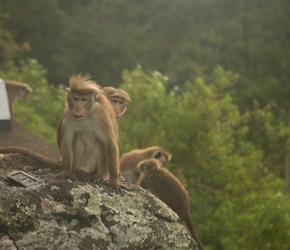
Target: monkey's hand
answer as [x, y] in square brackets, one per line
[101, 181]
[115, 186]
[118, 188]
[82, 175]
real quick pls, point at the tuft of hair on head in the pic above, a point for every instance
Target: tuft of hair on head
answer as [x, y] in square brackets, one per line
[83, 83]
[118, 93]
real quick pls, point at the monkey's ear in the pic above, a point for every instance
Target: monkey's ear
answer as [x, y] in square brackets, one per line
[158, 155]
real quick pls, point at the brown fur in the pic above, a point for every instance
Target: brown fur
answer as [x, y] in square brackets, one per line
[119, 99]
[88, 133]
[130, 160]
[16, 91]
[44, 160]
[164, 185]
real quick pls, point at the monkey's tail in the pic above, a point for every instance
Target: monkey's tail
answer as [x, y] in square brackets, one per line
[46, 161]
[188, 223]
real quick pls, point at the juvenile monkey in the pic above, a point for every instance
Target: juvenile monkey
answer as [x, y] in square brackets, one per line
[119, 99]
[88, 133]
[130, 160]
[16, 90]
[44, 160]
[164, 185]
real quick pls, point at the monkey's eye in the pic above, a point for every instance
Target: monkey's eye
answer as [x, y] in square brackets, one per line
[158, 155]
[114, 101]
[121, 102]
[83, 99]
[75, 99]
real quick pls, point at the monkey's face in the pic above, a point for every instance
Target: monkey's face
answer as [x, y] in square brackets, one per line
[119, 105]
[80, 105]
[161, 158]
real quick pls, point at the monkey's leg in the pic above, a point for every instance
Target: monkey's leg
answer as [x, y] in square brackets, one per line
[67, 153]
[102, 172]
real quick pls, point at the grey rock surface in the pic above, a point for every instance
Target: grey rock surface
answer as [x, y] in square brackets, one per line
[72, 214]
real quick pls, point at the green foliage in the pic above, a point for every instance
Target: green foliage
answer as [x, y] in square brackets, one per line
[42, 109]
[236, 202]
[8, 47]
[230, 158]
[145, 109]
[184, 41]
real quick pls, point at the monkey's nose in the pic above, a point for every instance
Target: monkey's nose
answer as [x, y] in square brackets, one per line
[78, 112]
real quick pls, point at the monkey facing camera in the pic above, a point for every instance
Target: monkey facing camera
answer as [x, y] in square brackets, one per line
[119, 99]
[87, 133]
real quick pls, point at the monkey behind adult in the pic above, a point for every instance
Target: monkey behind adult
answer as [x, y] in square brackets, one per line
[130, 160]
[119, 99]
[88, 133]
[164, 185]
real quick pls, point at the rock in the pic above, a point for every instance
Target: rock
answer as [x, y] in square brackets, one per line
[66, 214]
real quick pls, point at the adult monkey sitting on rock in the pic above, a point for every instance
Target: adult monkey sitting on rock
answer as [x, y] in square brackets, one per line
[87, 134]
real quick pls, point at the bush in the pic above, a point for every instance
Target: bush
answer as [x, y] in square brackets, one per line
[235, 202]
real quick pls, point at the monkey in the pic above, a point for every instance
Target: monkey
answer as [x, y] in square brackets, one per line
[164, 185]
[16, 90]
[119, 99]
[87, 133]
[130, 160]
[44, 160]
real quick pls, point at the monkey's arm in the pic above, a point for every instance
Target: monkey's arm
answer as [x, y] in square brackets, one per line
[137, 176]
[66, 148]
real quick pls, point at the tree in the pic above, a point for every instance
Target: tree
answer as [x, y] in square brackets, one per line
[230, 185]
[42, 109]
[182, 40]
[8, 46]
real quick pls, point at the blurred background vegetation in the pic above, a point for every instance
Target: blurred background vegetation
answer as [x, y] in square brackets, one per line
[209, 81]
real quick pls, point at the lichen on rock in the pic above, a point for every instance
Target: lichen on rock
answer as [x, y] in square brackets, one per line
[66, 214]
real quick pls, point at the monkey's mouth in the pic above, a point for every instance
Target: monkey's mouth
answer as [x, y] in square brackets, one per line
[78, 117]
